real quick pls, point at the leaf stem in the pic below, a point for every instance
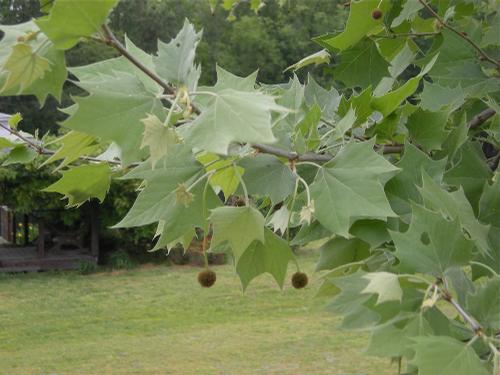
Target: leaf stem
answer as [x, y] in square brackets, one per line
[309, 163]
[292, 203]
[194, 93]
[414, 276]
[205, 175]
[171, 110]
[243, 185]
[485, 267]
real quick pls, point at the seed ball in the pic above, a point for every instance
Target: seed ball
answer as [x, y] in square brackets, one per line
[207, 278]
[376, 14]
[299, 280]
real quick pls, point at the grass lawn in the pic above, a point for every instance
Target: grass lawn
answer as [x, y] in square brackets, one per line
[158, 320]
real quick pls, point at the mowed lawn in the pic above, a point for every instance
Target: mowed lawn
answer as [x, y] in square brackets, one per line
[158, 320]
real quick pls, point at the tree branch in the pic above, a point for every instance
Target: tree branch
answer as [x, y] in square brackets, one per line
[290, 155]
[407, 35]
[45, 151]
[462, 35]
[481, 117]
[476, 327]
[112, 41]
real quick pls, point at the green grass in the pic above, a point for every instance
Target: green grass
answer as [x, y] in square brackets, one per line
[160, 321]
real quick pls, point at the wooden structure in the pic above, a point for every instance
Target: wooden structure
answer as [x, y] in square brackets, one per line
[54, 248]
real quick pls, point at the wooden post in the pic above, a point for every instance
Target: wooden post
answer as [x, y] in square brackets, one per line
[14, 228]
[26, 229]
[41, 238]
[94, 228]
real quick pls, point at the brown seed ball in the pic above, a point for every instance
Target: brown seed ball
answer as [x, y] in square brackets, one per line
[376, 14]
[207, 278]
[299, 280]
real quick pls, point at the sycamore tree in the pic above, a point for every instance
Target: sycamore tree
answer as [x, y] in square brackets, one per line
[394, 168]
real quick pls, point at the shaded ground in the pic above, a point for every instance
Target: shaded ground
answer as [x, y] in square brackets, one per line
[159, 321]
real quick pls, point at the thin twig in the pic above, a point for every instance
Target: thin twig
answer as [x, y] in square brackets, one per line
[481, 117]
[45, 151]
[476, 327]
[407, 35]
[462, 35]
[116, 44]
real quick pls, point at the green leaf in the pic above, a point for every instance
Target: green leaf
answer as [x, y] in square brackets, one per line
[402, 188]
[447, 354]
[385, 284]
[408, 13]
[350, 187]
[489, 212]
[265, 175]
[180, 219]
[69, 21]
[233, 116]
[373, 232]
[394, 341]
[344, 124]
[456, 206]
[457, 65]
[292, 99]
[489, 204]
[471, 172]
[175, 61]
[271, 257]
[360, 103]
[327, 100]
[27, 78]
[280, 219]
[226, 179]
[20, 154]
[317, 58]
[428, 128]
[80, 184]
[239, 226]
[227, 80]
[353, 70]
[6, 143]
[388, 103]
[23, 67]
[158, 137]
[401, 61]
[309, 233]
[359, 24]
[14, 120]
[455, 140]
[159, 194]
[350, 299]
[111, 112]
[339, 251]
[307, 129]
[432, 244]
[74, 145]
[435, 97]
[484, 305]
